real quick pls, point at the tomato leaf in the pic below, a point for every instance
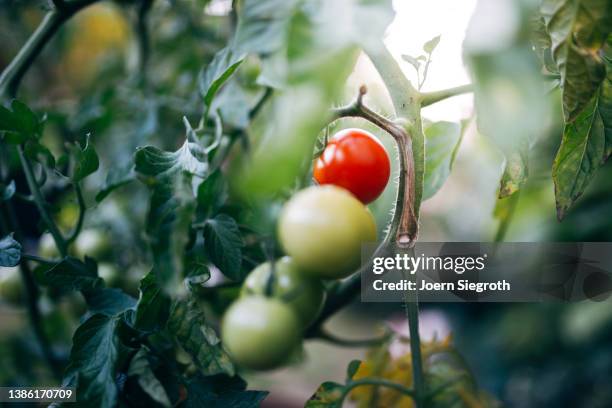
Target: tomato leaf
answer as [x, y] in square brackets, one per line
[224, 245]
[116, 177]
[74, 274]
[188, 324]
[153, 307]
[94, 359]
[585, 146]
[108, 301]
[510, 94]
[263, 25]
[578, 31]
[328, 395]
[87, 161]
[10, 251]
[542, 44]
[218, 71]
[7, 191]
[431, 45]
[141, 369]
[20, 124]
[221, 391]
[441, 140]
[516, 170]
[171, 177]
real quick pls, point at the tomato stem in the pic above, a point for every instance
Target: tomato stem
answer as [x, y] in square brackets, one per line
[430, 98]
[13, 74]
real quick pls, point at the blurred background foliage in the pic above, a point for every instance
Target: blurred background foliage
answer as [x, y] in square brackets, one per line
[100, 76]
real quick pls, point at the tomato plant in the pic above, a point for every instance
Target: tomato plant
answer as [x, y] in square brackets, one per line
[288, 284]
[355, 160]
[177, 218]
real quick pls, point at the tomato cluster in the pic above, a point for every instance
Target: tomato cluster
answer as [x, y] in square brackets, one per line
[321, 229]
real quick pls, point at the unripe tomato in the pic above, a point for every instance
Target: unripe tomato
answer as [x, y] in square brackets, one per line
[11, 285]
[355, 160]
[322, 228]
[302, 293]
[93, 243]
[259, 332]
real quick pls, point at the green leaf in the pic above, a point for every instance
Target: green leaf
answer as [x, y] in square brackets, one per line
[172, 177]
[211, 193]
[87, 161]
[516, 170]
[7, 191]
[153, 306]
[328, 395]
[431, 45]
[224, 245]
[10, 251]
[116, 177]
[220, 392]
[218, 71]
[159, 167]
[74, 274]
[188, 324]
[351, 369]
[108, 301]
[585, 146]
[441, 140]
[263, 25]
[141, 369]
[415, 62]
[512, 107]
[578, 30]
[21, 124]
[96, 353]
[39, 153]
[542, 44]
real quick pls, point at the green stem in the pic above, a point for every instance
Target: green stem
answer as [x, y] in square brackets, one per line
[82, 210]
[429, 98]
[379, 382]
[144, 41]
[32, 296]
[39, 200]
[505, 222]
[323, 335]
[406, 102]
[13, 74]
[35, 258]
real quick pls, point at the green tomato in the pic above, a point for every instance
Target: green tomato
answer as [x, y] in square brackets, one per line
[93, 243]
[260, 333]
[11, 285]
[303, 294]
[322, 228]
[47, 247]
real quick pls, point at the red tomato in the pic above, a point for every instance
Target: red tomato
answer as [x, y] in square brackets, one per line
[355, 160]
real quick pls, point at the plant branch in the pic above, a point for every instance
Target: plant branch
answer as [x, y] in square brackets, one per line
[32, 296]
[39, 200]
[379, 382]
[406, 227]
[331, 338]
[13, 74]
[429, 98]
[407, 104]
[82, 210]
[38, 259]
[144, 40]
